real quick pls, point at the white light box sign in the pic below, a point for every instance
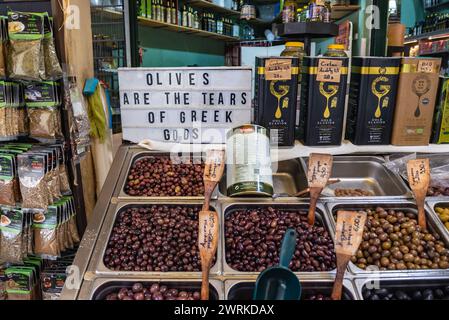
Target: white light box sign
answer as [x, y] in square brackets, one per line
[185, 105]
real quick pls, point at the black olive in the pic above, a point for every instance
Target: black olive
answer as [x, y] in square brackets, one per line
[428, 294]
[417, 295]
[439, 293]
[446, 290]
[401, 295]
[374, 297]
[382, 293]
[390, 296]
[367, 294]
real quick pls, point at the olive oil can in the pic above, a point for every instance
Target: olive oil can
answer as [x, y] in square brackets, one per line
[372, 99]
[323, 98]
[441, 119]
[276, 90]
[417, 92]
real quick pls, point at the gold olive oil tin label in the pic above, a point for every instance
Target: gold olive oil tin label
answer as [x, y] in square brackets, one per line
[372, 99]
[248, 163]
[323, 97]
[276, 90]
[416, 98]
[441, 119]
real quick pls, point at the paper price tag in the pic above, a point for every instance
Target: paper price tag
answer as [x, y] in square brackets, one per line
[428, 66]
[215, 163]
[349, 231]
[319, 170]
[278, 69]
[329, 70]
[208, 232]
[418, 173]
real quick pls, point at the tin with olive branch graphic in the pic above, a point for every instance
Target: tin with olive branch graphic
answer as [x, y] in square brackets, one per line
[323, 97]
[372, 99]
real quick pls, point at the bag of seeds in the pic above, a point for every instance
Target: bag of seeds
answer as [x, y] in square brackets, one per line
[46, 240]
[3, 104]
[43, 115]
[3, 39]
[2, 284]
[25, 31]
[53, 69]
[20, 283]
[7, 178]
[64, 184]
[11, 234]
[74, 101]
[73, 228]
[32, 169]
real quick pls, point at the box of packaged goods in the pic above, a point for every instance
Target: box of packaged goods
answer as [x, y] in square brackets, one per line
[417, 91]
[440, 132]
[276, 90]
[323, 94]
[372, 98]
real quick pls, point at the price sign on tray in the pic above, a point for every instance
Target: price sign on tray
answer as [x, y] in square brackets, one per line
[185, 105]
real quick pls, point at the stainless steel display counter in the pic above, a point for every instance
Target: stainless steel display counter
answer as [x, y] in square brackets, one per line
[96, 280]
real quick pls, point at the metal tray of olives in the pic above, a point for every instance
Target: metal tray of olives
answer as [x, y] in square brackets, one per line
[289, 178]
[99, 288]
[229, 207]
[432, 205]
[97, 266]
[365, 173]
[417, 283]
[243, 289]
[135, 154]
[404, 206]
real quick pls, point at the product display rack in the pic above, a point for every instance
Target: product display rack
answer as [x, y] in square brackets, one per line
[225, 282]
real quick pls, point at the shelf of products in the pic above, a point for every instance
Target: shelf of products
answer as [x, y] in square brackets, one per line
[172, 27]
[439, 34]
[340, 12]
[433, 5]
[214, 7]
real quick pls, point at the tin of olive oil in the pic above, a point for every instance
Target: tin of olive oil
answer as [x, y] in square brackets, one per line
[372, 99]
[323, 97]
[440, 133]
[276, 90]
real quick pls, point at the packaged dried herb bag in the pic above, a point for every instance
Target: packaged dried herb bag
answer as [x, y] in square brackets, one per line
[25, 31]
[11, 229]
[3, 39]
[7, 177]
[32, 169]
[2, 283]
[53, 69]
[72, 221]
[45, 225]
[20, 283]
[63, 174]
[3, 104]
[41, 102]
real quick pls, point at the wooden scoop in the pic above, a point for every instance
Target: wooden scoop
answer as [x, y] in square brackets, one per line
[207, 243]
[419, 178]
[213, 171]
[208, 220]
[348, 237]
[318, 173]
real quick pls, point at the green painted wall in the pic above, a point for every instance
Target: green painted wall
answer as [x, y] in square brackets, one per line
[164, 48]
[412, 11]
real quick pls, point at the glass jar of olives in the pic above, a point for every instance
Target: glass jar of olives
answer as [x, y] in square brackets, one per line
[336, 50]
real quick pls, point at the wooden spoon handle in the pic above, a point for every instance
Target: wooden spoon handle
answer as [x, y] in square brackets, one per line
[421, 214]
[338, 284]
[314, 194]
[205, 282]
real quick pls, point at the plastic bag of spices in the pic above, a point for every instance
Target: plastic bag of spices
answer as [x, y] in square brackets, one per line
[7, 179]
[46, 242]
[32, 169]
[53, 70]
[72, 222]
[25, 31]
[11, 229]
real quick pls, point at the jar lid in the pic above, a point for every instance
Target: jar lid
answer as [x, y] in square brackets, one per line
[336, 47]
[294, 44]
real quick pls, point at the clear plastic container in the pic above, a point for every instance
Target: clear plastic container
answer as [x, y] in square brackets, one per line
[336, 50]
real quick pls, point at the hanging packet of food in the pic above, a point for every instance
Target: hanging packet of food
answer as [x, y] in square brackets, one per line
[3, 38]
[20, 283]
[11, 240]
[41, 102]
[74, 101]
[45, 225]
[32, 169]
[7, 176]
[53, 70]
[64, 183]
[25, 31]
[3, 104]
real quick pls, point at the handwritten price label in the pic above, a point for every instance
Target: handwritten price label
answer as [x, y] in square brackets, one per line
[419, 173]
[214, 167]
[278, 69]
[349, 231]
[208, 232]
[428, 66]
[320, 169]
[329, 70]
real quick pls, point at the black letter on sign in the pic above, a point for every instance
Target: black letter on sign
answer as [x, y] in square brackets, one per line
[193, 115]
[162, 116]
[149, 79]
[228, 116]
[167, 100]
[166, 135]
[195, 133]
[151, 117]
[244, 98]
[146, 98]
[192, 79]
[232, 103]
[186, 134]
[136, 98]
[125, 98]
[216, 115]
[204, 116]
[206, 78]
[182, 117]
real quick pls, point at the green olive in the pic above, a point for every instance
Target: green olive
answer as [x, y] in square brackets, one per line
[401, 266]
[404, 249]
[384, 262]
[394, 237]
[383, 237]
[386, 245]
[408, 257]
[443, 265]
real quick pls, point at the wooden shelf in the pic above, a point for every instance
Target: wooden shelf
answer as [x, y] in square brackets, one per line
[213, 7]
[439, 34]
[175, 28]
[340, 12]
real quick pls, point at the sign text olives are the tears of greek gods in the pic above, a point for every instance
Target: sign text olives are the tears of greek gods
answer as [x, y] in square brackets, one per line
[183, 104]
